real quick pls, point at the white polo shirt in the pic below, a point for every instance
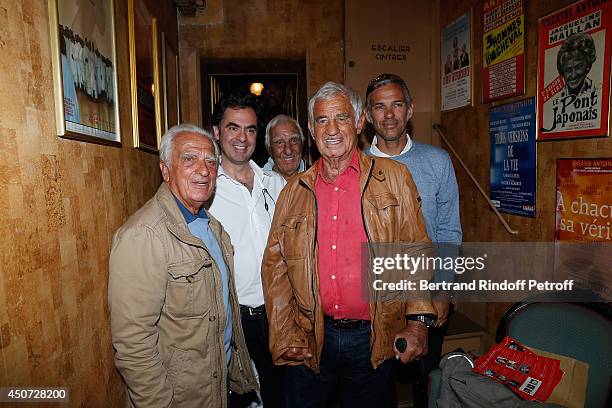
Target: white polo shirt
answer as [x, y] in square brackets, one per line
[247, 221]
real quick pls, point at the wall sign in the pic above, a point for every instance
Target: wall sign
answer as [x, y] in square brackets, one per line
[513, 157]
[574, 71]
[503, 72]
[456, 63]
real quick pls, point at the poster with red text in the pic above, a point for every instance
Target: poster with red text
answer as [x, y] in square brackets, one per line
[503, 59]
[574, 71]
[583, 232]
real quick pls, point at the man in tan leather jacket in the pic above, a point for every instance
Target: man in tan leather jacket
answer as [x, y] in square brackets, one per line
[332, 339]
[175, 321]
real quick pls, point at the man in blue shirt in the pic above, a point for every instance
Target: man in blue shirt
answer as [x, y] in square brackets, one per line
[175, 321]
[389, 107]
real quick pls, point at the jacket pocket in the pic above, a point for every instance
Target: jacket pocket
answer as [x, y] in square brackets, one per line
[294, 237]
[382, 213]
[177, 367]
[188, 290]
[383, 201]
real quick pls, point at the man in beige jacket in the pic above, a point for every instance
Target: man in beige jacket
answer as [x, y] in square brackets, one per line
[175, 320]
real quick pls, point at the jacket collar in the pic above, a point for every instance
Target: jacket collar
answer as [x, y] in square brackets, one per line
[367, 168]
[175, 221]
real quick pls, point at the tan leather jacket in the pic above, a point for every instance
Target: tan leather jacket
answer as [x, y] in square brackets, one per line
[391, 213]
[167, 312]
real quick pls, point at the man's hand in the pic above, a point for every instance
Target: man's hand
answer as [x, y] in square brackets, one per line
[441, 307]
[297, 354]
[415, 334]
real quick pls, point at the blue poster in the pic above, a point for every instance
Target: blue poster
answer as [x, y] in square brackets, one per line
[513, 157]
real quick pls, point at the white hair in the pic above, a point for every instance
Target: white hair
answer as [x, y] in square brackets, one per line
[279, 120]
[331, 89]
[167, 142]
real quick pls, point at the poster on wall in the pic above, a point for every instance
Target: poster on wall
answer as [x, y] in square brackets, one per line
[456, 63]
[574, 71]
[583, 235]
[513, 157]
[503, 59]
[85, 70]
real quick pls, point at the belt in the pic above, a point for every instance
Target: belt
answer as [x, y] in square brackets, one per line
[345, 323]
[252, 311]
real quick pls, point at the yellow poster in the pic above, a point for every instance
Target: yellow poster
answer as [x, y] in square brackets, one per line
[505, 41]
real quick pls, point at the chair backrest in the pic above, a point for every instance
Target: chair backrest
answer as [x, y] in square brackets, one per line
[570, 329]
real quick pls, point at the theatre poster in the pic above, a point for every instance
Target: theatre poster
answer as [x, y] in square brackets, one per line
[457, 63]
[503, 59]
[583, 235]
[574, 71]
[513, 157]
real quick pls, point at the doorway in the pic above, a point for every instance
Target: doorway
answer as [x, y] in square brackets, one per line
[284, 91]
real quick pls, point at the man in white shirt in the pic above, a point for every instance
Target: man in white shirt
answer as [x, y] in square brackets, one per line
[244, 203]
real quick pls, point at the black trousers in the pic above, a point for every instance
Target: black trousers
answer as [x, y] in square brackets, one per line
[255, 327]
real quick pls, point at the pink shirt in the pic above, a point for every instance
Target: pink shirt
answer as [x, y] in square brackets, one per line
[340, 236]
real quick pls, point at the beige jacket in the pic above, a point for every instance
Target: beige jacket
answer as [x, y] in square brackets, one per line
[167, 313]
[390, 213]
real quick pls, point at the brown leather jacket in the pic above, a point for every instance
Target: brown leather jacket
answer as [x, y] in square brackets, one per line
[391, 213]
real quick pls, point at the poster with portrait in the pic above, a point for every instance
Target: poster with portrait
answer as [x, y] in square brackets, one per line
[513, 157]
[85, 70]
[574, 71]
[456, 63]
[503, 58]
[583, 236]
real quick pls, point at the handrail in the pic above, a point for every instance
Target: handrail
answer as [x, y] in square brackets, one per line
[438, 129]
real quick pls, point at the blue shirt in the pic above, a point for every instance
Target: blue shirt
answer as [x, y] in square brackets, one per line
[432, 171]
[199, 226]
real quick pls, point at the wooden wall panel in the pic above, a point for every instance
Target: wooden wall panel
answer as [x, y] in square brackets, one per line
[468, 131]
[277, 29]
[60, 202]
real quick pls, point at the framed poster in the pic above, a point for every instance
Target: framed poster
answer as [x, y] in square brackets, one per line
[170, 75]
[503, 58]
[574, 71]
[145, 77]
[583, 235]
[85, 70]
[456, 63]
[513, 157]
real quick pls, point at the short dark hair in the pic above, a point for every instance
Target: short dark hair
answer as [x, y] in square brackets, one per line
[384, 79]
[234, 101]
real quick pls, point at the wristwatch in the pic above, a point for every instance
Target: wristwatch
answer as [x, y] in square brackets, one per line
[428, 319]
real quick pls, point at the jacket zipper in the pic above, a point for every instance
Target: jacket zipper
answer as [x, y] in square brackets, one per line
[312, 275]
[365, 227]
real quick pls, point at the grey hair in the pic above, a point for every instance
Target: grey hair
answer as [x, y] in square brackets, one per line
[331, 89]
[279, 120]
[383, 80]
[167, 142]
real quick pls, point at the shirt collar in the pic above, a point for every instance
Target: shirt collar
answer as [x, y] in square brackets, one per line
[377, 152]
[258, 171]
[353, 164]
[189, 217]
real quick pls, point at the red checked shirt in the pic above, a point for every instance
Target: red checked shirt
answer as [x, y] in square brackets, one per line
[340, 237]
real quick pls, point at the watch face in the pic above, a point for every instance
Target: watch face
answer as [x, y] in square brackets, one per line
[429, 321]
